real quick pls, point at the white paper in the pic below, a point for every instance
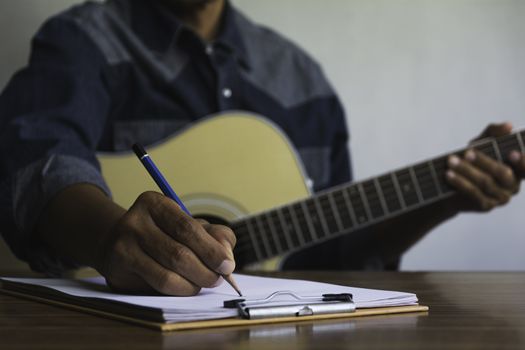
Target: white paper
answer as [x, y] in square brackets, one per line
[208, 304]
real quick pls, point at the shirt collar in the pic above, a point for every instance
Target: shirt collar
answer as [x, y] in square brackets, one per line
[152, 23]
[230, 35]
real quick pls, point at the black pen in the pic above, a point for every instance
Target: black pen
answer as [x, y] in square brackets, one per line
[165, 187]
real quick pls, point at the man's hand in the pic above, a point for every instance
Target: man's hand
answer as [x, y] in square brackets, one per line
[155, 245]
[484, 182]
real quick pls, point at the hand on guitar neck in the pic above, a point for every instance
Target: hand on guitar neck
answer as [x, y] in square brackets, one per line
[486, 183]
[481, 183]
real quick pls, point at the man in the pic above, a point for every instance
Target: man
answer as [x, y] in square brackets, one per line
[102, 76]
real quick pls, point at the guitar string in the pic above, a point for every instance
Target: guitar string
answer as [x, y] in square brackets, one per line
[346, 215]
[503, 146]
[324, 206]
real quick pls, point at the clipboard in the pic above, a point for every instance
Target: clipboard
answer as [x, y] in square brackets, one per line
[226, 322]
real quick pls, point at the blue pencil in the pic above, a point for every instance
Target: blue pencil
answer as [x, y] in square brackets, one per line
[157, 176]
[165, 187]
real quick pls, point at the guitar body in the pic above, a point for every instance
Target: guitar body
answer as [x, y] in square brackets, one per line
[225, 167]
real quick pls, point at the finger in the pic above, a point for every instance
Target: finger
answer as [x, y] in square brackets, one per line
[120, 278]
[177, 258]
[496, 130]
[183, 228]
[223, 234]
[467, 188]
[483, 181]
[518, 163]
[161, 279]
[501, 172]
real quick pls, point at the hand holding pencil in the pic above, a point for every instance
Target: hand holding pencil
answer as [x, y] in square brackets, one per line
[156, 247]
[194, 234]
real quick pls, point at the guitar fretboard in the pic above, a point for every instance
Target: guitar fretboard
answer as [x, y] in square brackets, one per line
[353, 206]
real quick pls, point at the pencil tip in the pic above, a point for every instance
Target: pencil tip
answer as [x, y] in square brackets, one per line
[232, 283]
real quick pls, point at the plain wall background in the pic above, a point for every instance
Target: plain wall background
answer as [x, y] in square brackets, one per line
[417, 78]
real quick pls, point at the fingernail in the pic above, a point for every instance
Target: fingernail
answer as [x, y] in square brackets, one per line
[453, 161]
[219, 281]
[470, 155]
[450, 174]
[515, 156]
[226, 267]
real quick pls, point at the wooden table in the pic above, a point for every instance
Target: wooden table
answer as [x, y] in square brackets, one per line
[467, 311]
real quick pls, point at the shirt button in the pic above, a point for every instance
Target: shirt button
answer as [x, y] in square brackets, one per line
[226, 92]
[208, 49]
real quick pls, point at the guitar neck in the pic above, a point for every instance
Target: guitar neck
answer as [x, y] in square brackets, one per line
[350, 207]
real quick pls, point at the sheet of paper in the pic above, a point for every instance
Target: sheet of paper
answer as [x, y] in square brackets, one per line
[208, 303]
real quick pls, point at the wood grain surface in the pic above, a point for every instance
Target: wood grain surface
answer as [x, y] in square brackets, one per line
[471, 310]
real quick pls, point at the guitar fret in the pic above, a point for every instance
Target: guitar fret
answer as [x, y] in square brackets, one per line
[440, 166]
[318, 206]
[273, 232]
[496, 150]
[381, 195]
[302, 222]
[309, 221]
[434, 176]
[386, 183]
[285, 227]
[329, 215]
[350, 206]
[374, 202]
[344, 212]
[407, 187]
[358, 206]
[521, 142]
[317, 222]
[279, 230]
[264, 236]
[398, 190]
[427, 183]
[507, 144]
[255, 243]
[487, 148]
[295, 221]
[416, 185]
[335, 210]
[365, 200]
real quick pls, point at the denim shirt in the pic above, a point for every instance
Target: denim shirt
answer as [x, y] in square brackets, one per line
[104, 75]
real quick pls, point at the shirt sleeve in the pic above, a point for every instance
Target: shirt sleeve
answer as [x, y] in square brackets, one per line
[52, 115]
[340, 164]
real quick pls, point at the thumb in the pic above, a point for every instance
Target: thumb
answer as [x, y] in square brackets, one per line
[496, 130]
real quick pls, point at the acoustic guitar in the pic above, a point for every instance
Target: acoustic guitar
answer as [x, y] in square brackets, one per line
[241, 169]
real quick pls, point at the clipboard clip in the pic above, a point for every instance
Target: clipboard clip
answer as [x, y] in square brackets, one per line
[301, 306]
